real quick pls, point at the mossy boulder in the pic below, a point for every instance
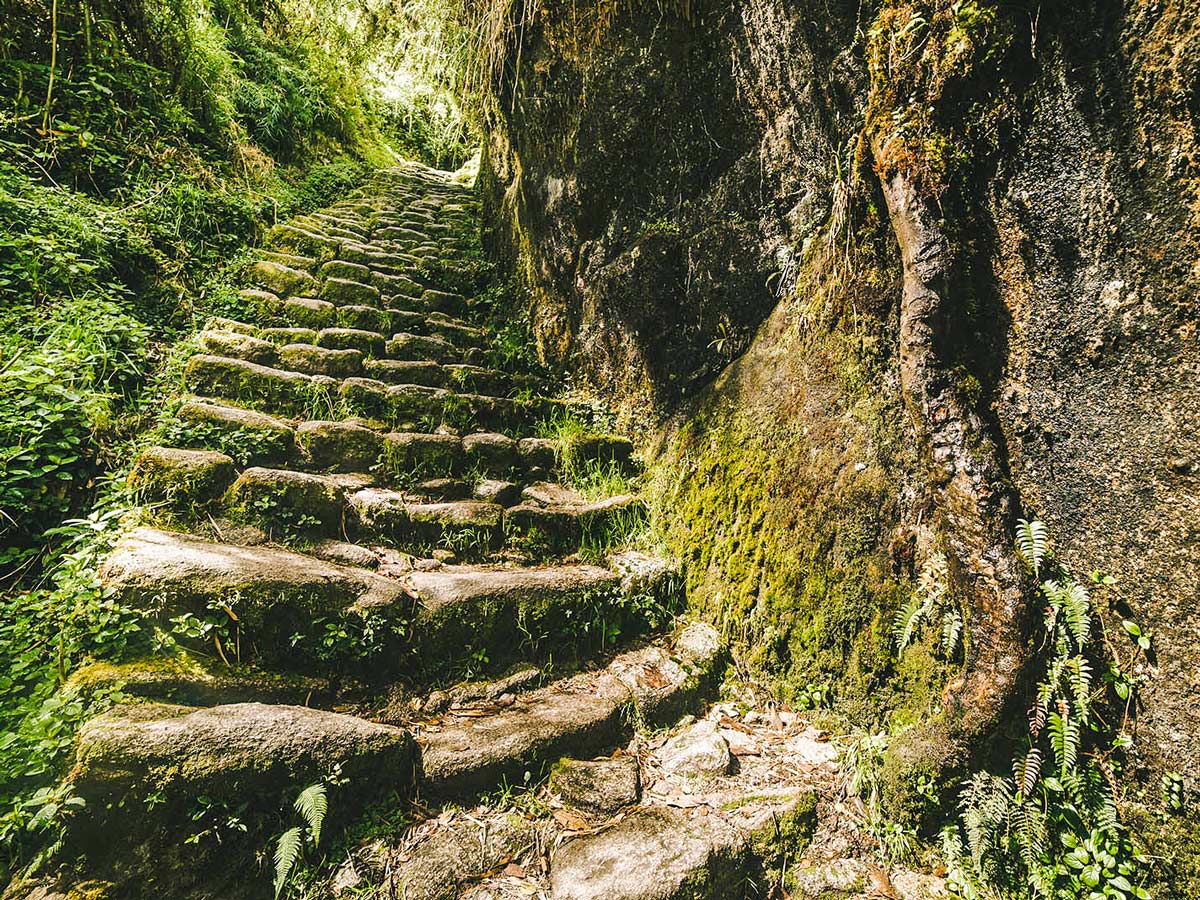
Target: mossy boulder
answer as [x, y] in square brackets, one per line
[421, 347]
[306, 312]
[342, 292]
[302, 241]
[181, 477]
[340, 446]
[282, 281]
[313, 360]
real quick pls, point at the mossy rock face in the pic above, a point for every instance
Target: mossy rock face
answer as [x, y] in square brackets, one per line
[306, 312]
[181, 477]
[289, 500]
[238, 346]
[366, 341]
[339, 446]
[349, 293]
[282, 281]
[365, 396]
[367, 319]
[313, 360]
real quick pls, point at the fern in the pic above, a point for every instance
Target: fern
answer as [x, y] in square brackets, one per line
[287, 854]
[1033, 544]
[312, 804]
[909, 619]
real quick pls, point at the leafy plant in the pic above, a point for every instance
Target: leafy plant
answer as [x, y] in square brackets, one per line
[312, 804]
[1053, 827]
[930, 602]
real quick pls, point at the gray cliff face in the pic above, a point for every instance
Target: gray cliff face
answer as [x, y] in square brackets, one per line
[692, 198]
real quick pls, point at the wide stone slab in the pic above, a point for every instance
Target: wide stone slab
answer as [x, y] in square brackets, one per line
[274, 590]
[243, 753]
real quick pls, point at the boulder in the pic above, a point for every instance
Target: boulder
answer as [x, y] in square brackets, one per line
[699, 751]
[339, 446]
[281, 280]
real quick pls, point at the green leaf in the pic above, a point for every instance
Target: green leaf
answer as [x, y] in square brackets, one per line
[287, 853]
[312, 804]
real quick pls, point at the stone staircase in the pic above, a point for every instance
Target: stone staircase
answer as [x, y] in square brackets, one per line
[398, 592]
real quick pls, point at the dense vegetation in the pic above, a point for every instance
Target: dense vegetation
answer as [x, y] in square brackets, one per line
[143, 146]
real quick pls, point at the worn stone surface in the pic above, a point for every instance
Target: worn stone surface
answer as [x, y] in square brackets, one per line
[243, 753]
[598, 788]
[274, 587]
[571, 717]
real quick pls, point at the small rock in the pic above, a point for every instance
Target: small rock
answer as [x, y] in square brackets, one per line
[346, 553]
[427, 565]
[446, 557]
[700, 750]
[597, 788]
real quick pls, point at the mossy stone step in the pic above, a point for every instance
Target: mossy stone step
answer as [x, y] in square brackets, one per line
[237, 345]
[281, 280]
[181, 477]
[369, 343]
[311, 359]
[469, 527]
[339, 446]
[289, 393]
[256, 437]
[275, 593]
[294, 502]
[245, 754]
[343, 292]
[303, 242]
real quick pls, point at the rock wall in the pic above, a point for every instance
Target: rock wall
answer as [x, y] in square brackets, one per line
[887, 279]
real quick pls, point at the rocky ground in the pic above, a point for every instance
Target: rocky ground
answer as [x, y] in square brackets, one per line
[403, 594]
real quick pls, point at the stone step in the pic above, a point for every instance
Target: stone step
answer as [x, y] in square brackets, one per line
[467, 751]
[286, 502]
[247, 756]
[253, 438]
[289, 392]
[442, 617]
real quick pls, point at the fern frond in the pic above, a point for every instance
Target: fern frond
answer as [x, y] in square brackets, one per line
[1077, 605]
[909, 619]
[1026, 771]
[1032, 544]
[287, 853]
[1064, 738]
[1079, 678]
[312, 804]
[952, 625]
